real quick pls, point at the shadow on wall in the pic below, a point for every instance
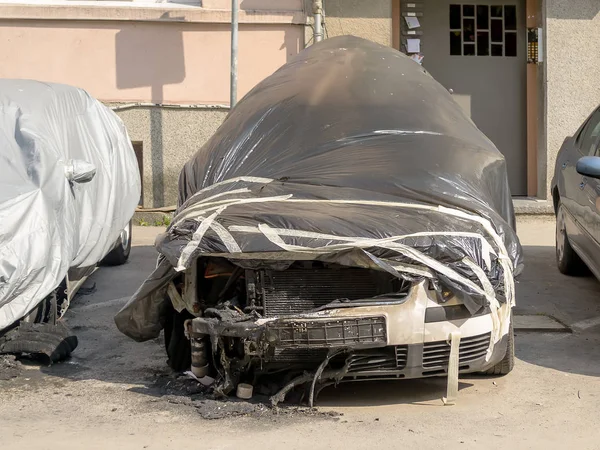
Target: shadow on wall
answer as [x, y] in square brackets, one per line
[137, 65]
[292, 45]
[573, 9]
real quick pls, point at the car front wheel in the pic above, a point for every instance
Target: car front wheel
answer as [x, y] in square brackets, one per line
[508, 362]
[120, 254]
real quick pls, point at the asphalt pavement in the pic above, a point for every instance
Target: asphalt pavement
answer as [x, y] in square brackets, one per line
[116, 393]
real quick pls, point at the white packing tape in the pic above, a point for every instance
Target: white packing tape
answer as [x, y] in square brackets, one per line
[198, 212]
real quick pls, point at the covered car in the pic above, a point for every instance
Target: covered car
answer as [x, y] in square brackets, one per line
[69, 185]
[347, 221]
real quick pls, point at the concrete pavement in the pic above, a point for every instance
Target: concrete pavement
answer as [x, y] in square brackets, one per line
[104, 397]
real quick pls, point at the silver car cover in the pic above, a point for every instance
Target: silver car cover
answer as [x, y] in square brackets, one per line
[69, 183]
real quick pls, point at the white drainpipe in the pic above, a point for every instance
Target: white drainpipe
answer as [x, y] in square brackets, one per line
[318, 16]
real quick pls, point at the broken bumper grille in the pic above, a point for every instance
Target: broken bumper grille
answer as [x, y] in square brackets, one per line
[436, 355]
[368, 331]
[378, 359]
[387, 358]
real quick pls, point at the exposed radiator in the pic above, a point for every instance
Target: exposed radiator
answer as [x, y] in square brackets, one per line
[294, 291]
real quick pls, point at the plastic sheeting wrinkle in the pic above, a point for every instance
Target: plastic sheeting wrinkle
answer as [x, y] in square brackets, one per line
[195, 242]
[385, 243]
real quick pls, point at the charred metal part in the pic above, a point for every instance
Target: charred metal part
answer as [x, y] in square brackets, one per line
[360, 332]
[328, 333]
[227, 384]
[199, 357]
[302, 379]
[190, 291]
[319, 372]
[252, 294]
[213, 326]
[237, 273]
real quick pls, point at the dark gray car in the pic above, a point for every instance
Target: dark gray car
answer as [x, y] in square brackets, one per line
[576, 195]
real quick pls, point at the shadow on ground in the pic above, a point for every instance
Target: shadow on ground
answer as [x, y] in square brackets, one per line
[104, 353]
[542, 289]
[427, 391]
[107, 355]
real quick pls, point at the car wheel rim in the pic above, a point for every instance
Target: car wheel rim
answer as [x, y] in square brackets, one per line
[561, 235]
[125, 236]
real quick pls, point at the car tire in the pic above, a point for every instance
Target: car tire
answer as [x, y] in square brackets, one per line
[177, 345]
[120, 254]
[508, 362]
[568, 262]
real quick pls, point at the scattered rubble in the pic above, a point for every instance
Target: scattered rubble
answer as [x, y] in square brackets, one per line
[183, 390]
[10, 367]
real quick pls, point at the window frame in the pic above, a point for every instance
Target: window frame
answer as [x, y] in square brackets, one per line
[492, 45]
[593, 144]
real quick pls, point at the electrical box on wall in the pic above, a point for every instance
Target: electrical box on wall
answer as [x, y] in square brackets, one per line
[534, 46]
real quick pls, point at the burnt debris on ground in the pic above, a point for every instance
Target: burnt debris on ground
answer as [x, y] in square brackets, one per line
[10, 367]
[47, 342]
[181, 389]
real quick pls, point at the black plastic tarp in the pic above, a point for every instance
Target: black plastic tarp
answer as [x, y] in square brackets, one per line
[349, 153]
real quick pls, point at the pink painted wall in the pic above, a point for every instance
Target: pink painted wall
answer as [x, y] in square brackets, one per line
[262, 5]
[145, 61]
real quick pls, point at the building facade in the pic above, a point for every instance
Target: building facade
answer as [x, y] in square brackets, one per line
[164, 66]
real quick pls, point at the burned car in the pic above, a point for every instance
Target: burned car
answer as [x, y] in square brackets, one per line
[346, 222]
[69, 185]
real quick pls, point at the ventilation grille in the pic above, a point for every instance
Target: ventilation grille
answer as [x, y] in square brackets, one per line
[386, 358]
[371, 360]
[307, 356]
[401, 356]
[437, 354]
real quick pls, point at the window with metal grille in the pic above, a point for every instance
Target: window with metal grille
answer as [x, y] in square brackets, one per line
[483, 30]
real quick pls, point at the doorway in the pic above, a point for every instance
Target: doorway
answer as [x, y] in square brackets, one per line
[478, 50]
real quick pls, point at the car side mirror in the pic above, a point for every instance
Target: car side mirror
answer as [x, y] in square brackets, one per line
[589, 166]
[78, 171]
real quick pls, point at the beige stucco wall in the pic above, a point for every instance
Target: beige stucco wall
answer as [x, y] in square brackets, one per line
[170, 137]
[367, 19]
[572, 72]
[145, 61]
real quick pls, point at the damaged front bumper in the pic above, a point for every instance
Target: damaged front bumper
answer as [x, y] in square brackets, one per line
[408, 339]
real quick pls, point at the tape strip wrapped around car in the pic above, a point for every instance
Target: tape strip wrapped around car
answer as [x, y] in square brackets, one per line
[350, 154]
